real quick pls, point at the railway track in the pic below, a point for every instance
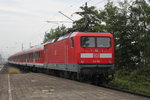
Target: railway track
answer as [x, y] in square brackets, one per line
[124, 90]
[118, 89]
[1, 68]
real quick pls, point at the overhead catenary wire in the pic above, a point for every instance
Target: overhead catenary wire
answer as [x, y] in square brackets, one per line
[72, 5]
[77, 3]
[66, 16]
[56, 22]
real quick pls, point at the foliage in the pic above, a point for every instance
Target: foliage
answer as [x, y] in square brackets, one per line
[137, 80]
[55, 33]
[141, 14]
[90, 21]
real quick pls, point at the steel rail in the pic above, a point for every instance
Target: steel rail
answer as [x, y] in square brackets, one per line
[124, 90]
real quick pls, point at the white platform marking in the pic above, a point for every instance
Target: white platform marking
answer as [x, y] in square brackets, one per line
[9, 88]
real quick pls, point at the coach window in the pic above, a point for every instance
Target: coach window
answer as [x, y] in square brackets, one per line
[35, 55]
[72, 42]
[32, 55]
[40, 54]
[27, 56]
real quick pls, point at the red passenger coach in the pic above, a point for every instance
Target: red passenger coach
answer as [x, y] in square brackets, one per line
[33, 57]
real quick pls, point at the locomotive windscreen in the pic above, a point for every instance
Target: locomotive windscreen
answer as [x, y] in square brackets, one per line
[95, 42]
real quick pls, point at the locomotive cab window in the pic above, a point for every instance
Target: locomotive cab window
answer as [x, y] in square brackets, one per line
[103, 42]
[95, 42]
[88, 42]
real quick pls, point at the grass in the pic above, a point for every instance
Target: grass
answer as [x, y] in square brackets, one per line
[137, 81]
[13, 70]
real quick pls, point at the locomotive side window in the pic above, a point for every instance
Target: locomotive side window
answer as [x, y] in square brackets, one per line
[36, 55]
[88, 42]
[103, 42]
[95, 42]
[72, 42]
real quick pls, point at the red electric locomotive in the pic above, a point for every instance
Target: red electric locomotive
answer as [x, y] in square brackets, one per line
[76, 55]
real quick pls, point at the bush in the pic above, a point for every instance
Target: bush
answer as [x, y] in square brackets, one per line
[12, 70]
[137, 80]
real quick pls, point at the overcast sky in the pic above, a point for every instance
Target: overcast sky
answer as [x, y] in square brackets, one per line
[24, 21]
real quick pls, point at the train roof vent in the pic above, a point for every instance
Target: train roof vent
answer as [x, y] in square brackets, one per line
[59, 38]
[64, 37]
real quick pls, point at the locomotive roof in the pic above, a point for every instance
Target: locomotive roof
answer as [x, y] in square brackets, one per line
[78, 34]
[90, 34]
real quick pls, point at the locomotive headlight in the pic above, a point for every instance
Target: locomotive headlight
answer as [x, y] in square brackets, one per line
[106, 55]
[86, 55]
[110, 62]
[82, 61]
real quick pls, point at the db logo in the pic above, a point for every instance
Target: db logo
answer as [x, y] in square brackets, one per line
[96, 55]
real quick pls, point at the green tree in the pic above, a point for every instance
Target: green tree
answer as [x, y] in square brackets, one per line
[59, 31]
[89, 21]
[120, 21]
[115, 19]
[140, 18]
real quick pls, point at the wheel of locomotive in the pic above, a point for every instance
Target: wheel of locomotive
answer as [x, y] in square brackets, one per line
[80, 77]
[39, 70]
[74, 76]
[66, 74]
[34, 69]
[47, 71]
[71, 76]
[103, 79]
